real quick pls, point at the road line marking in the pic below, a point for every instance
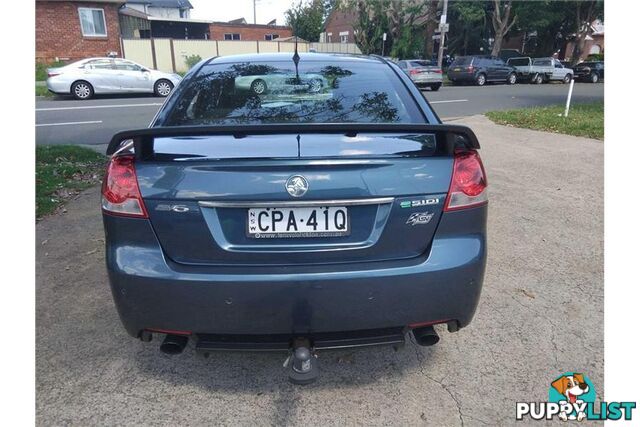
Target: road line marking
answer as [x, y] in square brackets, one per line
[69, 123]
[448, 100]
[88, 107]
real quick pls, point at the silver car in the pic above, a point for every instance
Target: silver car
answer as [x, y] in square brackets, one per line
[281, 81]
[423, 73]
[87, 77]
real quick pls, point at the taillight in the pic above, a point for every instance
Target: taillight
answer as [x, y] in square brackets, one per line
[52, 74]
[468, 182]
[438, 71]
[120, 191]
[413, 71]
[470, 68]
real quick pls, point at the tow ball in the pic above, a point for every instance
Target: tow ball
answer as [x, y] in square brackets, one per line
[302, 363]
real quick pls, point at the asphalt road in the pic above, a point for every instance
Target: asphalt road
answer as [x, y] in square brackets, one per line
[67, 121]
[540, 314]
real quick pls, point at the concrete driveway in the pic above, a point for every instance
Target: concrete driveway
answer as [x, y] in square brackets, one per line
[541, 314]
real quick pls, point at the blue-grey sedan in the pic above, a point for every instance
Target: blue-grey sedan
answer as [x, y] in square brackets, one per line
[295, 220]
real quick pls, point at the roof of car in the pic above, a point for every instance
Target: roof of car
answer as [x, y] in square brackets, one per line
[287, 56]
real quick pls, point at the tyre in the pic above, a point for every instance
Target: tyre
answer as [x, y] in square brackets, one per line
[315, 85]
[162, 88]
[594, 78]
[512, 79]
[481, 79]
[258, 86]
[566, 79]
[82, 90]
[435, 87]
[538, 79]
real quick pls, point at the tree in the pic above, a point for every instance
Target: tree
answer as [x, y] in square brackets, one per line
[306, 19]
[585, 14]
[467, 27]
[502, 21]
[371, 23]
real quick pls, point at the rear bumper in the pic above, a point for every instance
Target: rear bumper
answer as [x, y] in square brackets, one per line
[58, 87]
[152, 292]
[423, 80]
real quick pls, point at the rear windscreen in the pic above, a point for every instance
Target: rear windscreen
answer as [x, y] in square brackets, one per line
[281, 92]
[461, 61]
[541, 62]
[519, 62]
[422, 63]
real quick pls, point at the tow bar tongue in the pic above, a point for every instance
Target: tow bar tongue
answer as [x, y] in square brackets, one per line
[302, 364]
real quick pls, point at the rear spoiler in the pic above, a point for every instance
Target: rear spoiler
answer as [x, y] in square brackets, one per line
[448, 137]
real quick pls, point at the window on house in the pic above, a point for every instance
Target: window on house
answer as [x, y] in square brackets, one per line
[92, 22]
[329, 37]
[271, 36]
[232, 36]
[344, 37]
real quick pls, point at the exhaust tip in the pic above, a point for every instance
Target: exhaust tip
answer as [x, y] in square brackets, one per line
[174, 344]
[426, 336]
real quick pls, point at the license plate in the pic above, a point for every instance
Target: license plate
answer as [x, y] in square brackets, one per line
[317, 221]
[457, 69]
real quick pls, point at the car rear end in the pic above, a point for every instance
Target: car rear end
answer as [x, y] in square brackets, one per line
[345, 217]
[462, 69]
[584, 70]
[425, 73]
[59, 79]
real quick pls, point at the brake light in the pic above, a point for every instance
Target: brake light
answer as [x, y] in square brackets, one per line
[414, 71]
[468, 182]
[470, 68]
[52, 74]
[438, 71]
[120, 192]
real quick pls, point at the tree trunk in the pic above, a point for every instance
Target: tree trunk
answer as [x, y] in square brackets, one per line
[430, 27]
[501, 24]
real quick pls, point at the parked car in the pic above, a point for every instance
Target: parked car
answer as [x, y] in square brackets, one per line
[529, 72]
[93, 76]
[295, 223]
[423, 73]
[273, 82]
[559, 71]
[590, 71]
[480, 70]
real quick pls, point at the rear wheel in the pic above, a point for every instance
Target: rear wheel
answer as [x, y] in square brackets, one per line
[258, 86]
[163, 88]
[594, 77]
[481, 79]
[315, 85]
[538, 79]
[435, 87]
[566, 78]
[82, 90]
[512, 79]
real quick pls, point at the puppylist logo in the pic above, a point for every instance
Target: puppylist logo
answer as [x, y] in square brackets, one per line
[572, 397]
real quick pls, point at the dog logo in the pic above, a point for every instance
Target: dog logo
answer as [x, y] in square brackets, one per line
[297, 186]
[574, 389]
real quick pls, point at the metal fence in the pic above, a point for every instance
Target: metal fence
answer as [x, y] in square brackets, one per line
[170, 54]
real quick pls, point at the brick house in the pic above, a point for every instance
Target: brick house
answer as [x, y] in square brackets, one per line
[69, 30]
[338, 28]
[247, 32]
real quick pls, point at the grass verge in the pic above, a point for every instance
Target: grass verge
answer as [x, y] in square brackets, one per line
[43, 91]
[584, 119]
[62, 171]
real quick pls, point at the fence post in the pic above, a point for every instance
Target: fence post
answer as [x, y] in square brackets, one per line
[153, 53]
[173, 55]
[278, 46]
[217, 50]
[257, 46]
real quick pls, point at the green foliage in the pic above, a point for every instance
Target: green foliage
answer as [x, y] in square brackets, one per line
[584, 119]
[43, 91]
[41, 69]
[596, 57]
[306, 19]
[371, 23]
[192, 60]
[62, 171]
[468, 28]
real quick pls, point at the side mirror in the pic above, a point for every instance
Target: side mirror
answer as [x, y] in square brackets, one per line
[144, 70]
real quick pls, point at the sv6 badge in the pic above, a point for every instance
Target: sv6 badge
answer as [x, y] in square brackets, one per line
[420, 218]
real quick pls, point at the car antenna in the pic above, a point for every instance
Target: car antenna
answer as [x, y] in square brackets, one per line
[296, 58]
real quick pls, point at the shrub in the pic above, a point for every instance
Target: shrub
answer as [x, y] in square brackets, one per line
[192, 60]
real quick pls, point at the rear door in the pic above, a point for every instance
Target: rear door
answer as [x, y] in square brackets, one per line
[101, 73]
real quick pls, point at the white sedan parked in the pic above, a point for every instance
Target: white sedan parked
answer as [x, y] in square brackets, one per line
[87, 77]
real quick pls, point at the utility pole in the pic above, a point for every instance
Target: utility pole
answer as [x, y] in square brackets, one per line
[254, 12]
[444, 27]
[384, 39]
